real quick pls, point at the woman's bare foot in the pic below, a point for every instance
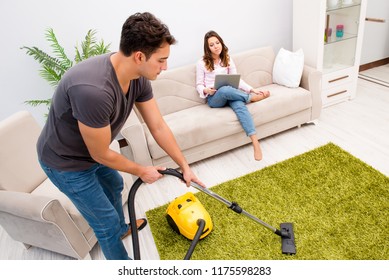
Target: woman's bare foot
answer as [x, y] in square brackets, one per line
[255, 97]
[257, 147]
[257, 152]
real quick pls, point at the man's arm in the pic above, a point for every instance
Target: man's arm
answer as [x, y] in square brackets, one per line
[165, 138]
[98, 140]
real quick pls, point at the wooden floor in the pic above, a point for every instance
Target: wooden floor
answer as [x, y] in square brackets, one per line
[359, 126]
[379, 75]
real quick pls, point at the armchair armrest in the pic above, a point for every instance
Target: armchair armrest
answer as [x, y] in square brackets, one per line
[24, 205]
[137, 149]
[311, 81]
[43, 222]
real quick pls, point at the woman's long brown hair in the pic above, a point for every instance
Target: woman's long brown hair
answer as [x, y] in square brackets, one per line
[207, 57]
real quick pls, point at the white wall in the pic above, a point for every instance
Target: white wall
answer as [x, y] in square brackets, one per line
[243, 25]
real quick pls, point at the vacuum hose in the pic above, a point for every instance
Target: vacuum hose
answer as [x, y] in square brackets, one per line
[132, 216]
[201, 224]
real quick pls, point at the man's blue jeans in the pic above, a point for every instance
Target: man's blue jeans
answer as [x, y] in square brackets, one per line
[237, 100]
[96, 192]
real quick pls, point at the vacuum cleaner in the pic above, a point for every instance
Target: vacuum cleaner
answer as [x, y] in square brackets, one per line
[185, 213]
[188, 217]
[285, 232]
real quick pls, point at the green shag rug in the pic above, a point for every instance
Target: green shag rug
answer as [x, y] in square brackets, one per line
[339, 207]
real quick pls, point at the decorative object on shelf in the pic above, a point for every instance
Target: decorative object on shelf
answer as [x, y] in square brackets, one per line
[332, 3]
[327, 28]
[328, 33]
[339, 30]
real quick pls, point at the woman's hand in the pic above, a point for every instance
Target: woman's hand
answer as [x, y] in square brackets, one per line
[209, 91]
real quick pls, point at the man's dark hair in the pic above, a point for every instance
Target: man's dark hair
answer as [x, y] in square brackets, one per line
[144, 32]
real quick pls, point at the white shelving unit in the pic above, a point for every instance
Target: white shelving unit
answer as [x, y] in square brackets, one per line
[337, 57]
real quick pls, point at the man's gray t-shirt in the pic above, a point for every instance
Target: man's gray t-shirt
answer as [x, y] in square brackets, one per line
[89, 92]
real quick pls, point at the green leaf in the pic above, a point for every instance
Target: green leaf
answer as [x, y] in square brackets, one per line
[58, 50]
[44, 59]
[87, 44]
[54, 66]
[35, 103]
[50, 75]
[101, 48]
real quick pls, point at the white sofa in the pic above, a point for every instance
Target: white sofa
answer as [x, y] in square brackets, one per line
[202, 131]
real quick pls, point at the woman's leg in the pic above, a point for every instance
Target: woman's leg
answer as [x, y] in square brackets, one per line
[257, 147]
[237, 100]
[225, 94]
[247, 123]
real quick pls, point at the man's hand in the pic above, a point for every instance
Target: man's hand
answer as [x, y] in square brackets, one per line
[189, 176]
[150, 174]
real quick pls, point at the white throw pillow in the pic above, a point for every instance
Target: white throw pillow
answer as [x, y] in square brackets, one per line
[288, 68]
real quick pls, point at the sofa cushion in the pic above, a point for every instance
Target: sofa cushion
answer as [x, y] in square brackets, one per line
[201, 124]
[168, 90]
[255, 66]
[288, 68]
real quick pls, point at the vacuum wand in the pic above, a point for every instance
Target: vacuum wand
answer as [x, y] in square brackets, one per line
[286, 232]
[235, 207]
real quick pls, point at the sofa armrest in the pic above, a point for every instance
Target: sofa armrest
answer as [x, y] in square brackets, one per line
[137, 149]
[311, 81]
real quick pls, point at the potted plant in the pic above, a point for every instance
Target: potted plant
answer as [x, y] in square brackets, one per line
[54, 66]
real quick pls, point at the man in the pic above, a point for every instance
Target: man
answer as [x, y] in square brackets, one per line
[89, 107]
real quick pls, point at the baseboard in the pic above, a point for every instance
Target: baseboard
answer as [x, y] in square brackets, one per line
[373, 64]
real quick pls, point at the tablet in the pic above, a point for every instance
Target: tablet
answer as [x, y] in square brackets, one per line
[227, 80]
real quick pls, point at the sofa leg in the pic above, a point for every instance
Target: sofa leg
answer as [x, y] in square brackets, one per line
[27, 246]
[87, 257]
[315, 122]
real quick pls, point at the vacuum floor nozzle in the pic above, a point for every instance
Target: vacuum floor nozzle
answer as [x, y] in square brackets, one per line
[287, 239]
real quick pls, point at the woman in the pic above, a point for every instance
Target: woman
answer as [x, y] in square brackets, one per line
[216, 60]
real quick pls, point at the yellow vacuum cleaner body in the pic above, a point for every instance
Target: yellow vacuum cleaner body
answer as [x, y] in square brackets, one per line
[183, 215]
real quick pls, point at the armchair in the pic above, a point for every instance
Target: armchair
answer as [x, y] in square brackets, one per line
[32, 210]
